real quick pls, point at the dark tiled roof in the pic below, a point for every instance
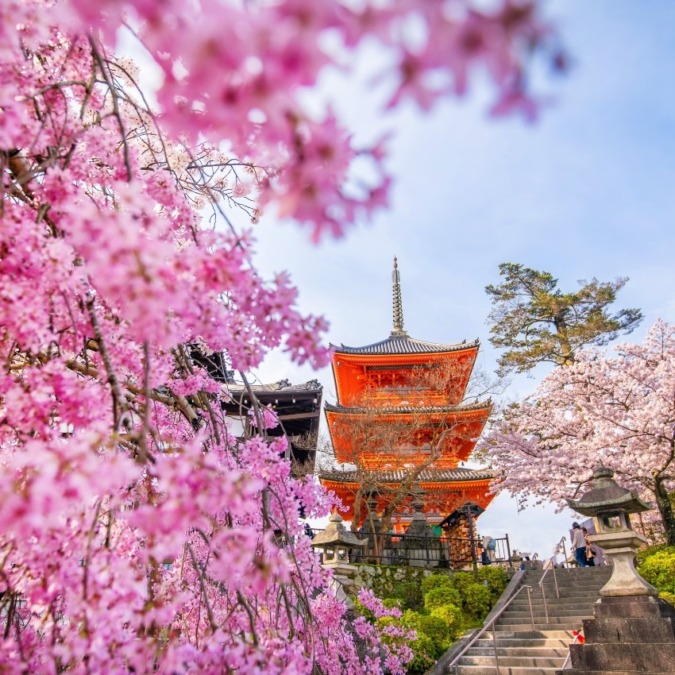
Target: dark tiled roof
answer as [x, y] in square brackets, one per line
[396, 476]
[282, 386]
[404, 344]
[479, 405]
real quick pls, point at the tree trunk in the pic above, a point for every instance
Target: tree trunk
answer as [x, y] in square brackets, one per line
[357, 509]
[665, 509]
[566, 352]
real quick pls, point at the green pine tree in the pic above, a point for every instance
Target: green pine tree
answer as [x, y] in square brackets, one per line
[534, 321]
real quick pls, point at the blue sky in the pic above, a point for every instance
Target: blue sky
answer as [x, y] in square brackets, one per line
[587, 191]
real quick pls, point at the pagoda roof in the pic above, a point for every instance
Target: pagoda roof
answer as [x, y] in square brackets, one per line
[282, 386]
[399, 342]
[403, 410]
[404, 344]
[399, 475]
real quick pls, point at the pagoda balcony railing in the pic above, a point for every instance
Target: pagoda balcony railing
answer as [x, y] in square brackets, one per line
[431, 551]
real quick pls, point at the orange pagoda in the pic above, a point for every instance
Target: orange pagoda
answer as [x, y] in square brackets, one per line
[401, 427]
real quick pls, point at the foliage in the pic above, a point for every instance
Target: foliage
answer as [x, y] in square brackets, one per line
[452, 615]
[435, 581]
[476, 600]
[535, 321]
[423, 654]
[385, 580]
[614, 409]
[392, 603]
[410, 593]
[495, 578]
[668, 597]
[461, 580]
[438, 629]
[658, 568]
[137, 533]
[451, 603]
[441, 595]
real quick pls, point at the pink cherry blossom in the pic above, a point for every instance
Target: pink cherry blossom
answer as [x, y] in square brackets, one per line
[136, 532]
[615, 409]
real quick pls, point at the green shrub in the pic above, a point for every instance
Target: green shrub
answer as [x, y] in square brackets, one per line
[423, 649]
[435, 581]
[411, 619]
[648, 551]
[390, 603]
[668, 597]
[441, 595]
[476, 600]
[658, 568]
[452, 615]
[497, 580]
[460, 580]
[410, 593]
[438, 630]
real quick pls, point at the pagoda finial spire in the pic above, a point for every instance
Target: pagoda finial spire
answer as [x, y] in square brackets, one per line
[398, 304]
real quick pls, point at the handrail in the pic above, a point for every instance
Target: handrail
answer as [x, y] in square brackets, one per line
[551, 562]
[567, 659]
[569, 652]
[491, 623]
[557, 549]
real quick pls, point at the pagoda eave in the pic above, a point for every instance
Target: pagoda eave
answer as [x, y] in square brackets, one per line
[423, 431]
[352, 369]
[440, 497]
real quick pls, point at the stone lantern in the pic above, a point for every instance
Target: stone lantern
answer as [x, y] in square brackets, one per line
[335, 542]
[422, 548]
[633, 630]
[610, 506]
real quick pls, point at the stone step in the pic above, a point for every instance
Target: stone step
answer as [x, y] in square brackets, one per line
[585, 578]
[585, 611]
[564, 593]
[492, 670]
[581, 579]
[540, 648]
[571, 586]
[586, 572]
[561, 603]
[524, 617]
[515, 627]
[568, 588]
[570, 600]
[540, 624]
[563, 589]
[621, 672]
[524, 643]
[548, 634]
[513, 661]
[526, 650]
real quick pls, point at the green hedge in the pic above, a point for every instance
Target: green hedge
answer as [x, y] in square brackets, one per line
[440, 607]
[441, 595]
[657, 566]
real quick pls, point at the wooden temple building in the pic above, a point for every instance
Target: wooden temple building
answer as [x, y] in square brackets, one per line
[400, 429]
[297, 407]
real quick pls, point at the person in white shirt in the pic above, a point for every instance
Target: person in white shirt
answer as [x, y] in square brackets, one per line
[579, 545]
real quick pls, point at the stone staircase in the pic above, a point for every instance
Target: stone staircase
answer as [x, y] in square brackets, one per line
[527, 649]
